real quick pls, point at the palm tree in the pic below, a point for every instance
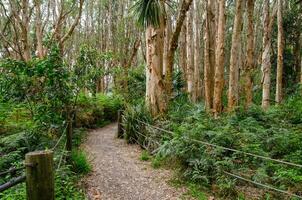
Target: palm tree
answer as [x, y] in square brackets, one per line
[150, 14]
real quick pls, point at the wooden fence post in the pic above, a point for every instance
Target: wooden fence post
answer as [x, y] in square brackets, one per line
[40, 175]
[120, 131]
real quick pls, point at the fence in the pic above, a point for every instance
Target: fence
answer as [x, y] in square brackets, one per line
[37, 171]
[121, 131]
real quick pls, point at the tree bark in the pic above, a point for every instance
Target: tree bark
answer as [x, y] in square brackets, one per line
[155, 91]
[247, 74]
[235, 53]
[279, 80]
[197, 55]
[190, 55]
[39, 31]
[220, 56]
[173, 44]
[266, 57]
[209, 54]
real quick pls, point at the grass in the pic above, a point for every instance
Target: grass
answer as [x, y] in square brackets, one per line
[80, 162]
[145, 156]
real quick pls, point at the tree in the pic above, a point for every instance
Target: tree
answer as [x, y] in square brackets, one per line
[220, 54]
[209, 53]
[250, 53]
[266, 54]
[279, 84]
[173, 43]
[233, 94]
[150, 14]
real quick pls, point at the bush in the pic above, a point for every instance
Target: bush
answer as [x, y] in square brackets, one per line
[97, 110]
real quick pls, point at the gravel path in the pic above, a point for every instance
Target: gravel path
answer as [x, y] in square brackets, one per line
[119, 174]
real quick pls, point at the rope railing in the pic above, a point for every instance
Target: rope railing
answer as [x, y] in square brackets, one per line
[244, 153]
[263, 185]
[13, 182]
[231, 149]
[12, 170]
[20, 179]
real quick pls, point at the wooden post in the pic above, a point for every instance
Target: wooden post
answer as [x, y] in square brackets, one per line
[39, 175]
[120, 131]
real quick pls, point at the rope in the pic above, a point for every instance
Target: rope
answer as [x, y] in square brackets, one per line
[149, 138]
[263, 185]
[58, 142]
[160, 129]
[228, 149]
[246, 153]
[139, 143]
[12, 182]
[11, 170]
[61, 158]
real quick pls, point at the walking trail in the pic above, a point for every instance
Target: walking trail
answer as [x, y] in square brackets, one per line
[119, 174]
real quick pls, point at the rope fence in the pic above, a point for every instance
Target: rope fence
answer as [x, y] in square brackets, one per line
[20, 179]
[236, 151]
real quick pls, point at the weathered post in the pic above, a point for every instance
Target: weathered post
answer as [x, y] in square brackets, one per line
[39, 175]
[119, 124]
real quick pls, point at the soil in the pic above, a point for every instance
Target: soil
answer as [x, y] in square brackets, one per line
[119, 174]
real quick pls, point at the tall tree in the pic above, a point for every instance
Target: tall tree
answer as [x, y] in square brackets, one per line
[173, 43]
[150, 14]
[220, 55]
[279, 81]
[190, 54]
[250, 53]
[266, 54]
[233, 95]
[209, 53]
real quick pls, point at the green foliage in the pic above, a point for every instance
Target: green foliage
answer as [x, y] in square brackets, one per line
[34, 97]
[145, 156]
[97, 110]
[79, 162]
[275, 133]
[148, 12]
[88, 69]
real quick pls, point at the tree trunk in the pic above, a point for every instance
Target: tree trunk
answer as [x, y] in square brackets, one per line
[209, 54]
[235, 53]
[173, 44]
[155, 91]
[279, 80]
[197, 54]
[190, 55]
[183, 54]
[220, 55]
[247, 74]
[266, 57]
[39, 32]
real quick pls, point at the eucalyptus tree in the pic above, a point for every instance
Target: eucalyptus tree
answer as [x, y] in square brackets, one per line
[220, 56]
[233, 95]
[150, 15]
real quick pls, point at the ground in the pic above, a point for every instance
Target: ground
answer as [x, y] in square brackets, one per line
[119, 174]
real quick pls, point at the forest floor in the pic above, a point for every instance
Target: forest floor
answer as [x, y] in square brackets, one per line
[119, 174]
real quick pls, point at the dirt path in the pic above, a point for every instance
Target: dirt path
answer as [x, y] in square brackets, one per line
[119, 174]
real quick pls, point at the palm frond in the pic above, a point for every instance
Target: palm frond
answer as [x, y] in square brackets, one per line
[148, 12]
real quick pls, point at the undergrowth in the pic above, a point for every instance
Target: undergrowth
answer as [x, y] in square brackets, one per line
[275, 134]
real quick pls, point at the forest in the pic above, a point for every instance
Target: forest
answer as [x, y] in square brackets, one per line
[210, 90]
